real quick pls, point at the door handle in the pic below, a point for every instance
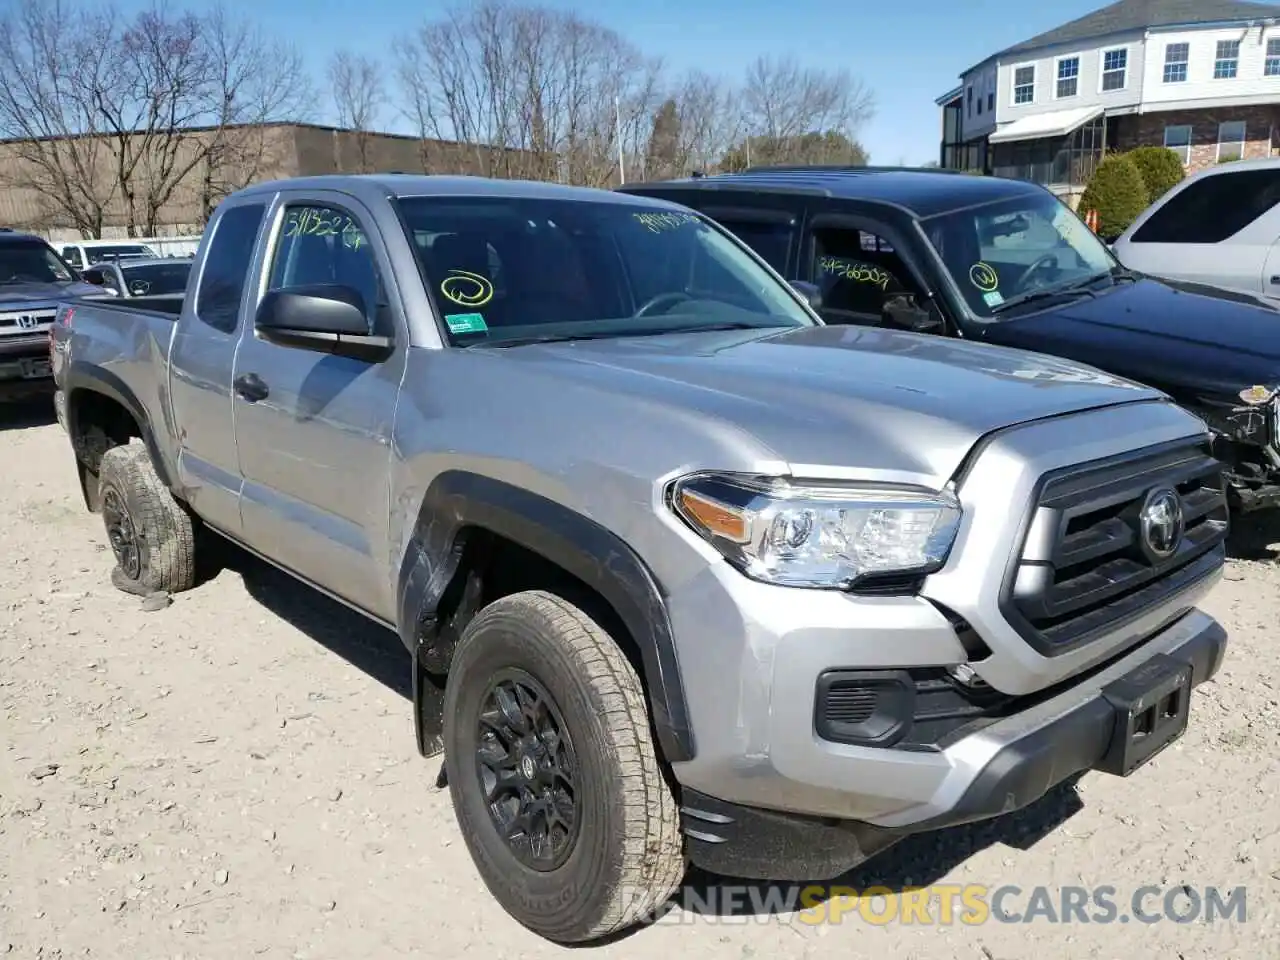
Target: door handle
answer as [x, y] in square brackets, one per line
[251, 386]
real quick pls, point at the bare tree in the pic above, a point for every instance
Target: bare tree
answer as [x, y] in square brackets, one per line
[533, 92]
[359, 95]
[793, 113]
[710, 121]
[110, 118]
[156, 92]
[55, 57]
[255, 81]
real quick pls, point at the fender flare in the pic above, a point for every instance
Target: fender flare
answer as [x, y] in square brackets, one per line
[457, 500]
[94, 379]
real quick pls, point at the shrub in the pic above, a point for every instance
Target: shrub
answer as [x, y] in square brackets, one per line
[1160, 168]
[1117, 192]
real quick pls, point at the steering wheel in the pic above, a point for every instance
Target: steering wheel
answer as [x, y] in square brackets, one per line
[1047, 260]
[667, 300]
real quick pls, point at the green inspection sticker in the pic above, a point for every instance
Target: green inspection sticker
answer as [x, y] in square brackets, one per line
[466, 323]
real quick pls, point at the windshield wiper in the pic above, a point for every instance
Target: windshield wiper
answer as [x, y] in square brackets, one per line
[1069, 292]
[541, 338]
[619, 334]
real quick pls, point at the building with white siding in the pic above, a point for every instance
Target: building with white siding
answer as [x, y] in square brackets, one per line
[1199, 76]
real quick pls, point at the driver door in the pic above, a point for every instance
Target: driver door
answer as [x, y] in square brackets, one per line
[313, 430]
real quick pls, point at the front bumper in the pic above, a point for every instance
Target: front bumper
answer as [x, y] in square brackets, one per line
[24, 366]
[1003, 767]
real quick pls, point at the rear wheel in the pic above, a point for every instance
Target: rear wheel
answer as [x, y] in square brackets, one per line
[553, 773]
[151, 535]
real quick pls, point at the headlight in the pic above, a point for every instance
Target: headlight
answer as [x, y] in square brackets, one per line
[1257, 395]
[829, 535]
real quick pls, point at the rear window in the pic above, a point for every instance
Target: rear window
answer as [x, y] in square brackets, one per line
[1212, 209]
[226, 266]
[156, 279]
[511, 268]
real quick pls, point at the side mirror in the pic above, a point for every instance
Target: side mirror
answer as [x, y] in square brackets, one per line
[902, 311]
[324, 317]
[810, 292]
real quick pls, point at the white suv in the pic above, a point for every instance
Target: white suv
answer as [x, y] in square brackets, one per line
[1220, 227]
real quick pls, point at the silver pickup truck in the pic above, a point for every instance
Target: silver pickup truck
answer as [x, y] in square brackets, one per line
[686, 575]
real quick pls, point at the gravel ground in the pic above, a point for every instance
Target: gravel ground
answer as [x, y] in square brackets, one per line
[235, 776]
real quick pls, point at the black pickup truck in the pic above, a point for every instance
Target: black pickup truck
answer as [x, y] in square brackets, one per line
[1005, 262]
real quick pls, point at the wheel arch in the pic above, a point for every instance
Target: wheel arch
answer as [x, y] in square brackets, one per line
[97, 398]
[466, 525]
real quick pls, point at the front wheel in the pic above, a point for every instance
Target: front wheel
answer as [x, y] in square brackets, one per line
[553, 773]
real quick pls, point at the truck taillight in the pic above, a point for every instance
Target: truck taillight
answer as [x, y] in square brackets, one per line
[63, 316]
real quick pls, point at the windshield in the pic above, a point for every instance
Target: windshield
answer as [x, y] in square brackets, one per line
[512, 269]
[1017, 247]
[155, 279]
[31, 262]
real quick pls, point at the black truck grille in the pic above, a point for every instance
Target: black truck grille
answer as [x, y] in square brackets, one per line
[1089, 564]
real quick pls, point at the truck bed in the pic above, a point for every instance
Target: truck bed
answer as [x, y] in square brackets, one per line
[166, 305]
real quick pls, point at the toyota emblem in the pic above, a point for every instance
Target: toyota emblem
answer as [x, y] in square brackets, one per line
[1161, 522]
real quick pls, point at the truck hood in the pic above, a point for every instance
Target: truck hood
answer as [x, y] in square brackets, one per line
[1184, 338]
[900, 404]
[16, 295]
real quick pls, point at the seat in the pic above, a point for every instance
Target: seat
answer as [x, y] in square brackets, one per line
[552, 284]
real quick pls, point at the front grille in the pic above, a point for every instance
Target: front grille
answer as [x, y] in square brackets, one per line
[27, 320]
[1086, 567]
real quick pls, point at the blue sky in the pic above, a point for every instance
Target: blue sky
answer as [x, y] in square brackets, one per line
[909, 52]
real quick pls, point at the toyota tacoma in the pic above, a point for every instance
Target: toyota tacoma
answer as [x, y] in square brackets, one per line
[686, 574]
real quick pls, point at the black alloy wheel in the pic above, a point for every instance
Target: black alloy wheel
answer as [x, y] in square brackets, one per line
[121, 533]
[526, 764]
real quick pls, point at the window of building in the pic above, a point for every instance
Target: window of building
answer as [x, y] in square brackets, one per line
[226, 266]
[1213, 208]
[1178, 139]
[1068, 77]
[1272, 68]
[1176, 56]
[1024, 84]
[1231, 137]
[991, 102]
[1227, 60]
[968, 95]
[1115, 65]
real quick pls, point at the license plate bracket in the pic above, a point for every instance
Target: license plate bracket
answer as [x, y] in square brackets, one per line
[1151, 705]
[36, 367]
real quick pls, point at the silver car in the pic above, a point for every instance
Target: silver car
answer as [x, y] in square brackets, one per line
[1218, 227]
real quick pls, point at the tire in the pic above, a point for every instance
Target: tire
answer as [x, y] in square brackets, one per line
[151, 534]
[626, 858]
